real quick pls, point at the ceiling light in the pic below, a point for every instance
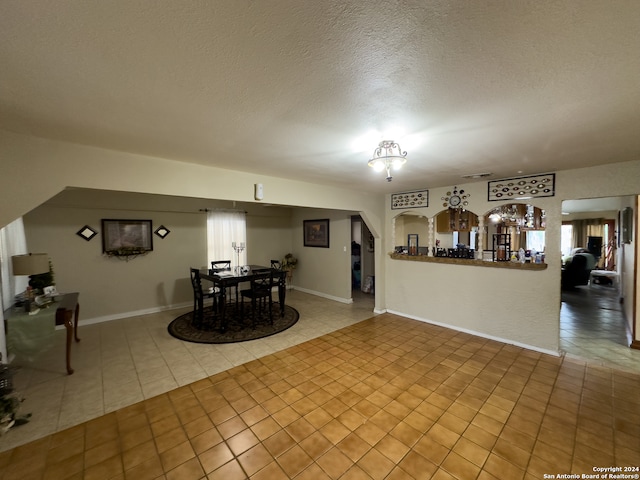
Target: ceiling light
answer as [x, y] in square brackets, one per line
[387, 155]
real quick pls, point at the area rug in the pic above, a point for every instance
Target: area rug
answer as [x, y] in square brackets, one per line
[237, 330]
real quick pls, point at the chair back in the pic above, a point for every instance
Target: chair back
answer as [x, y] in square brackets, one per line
[196, 283]
[220, 266]
[276, 265]
[262, 281]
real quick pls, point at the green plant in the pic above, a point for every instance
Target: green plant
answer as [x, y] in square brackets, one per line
[41, 280]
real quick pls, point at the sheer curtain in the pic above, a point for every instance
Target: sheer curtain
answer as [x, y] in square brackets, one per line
[12, 242]
[223, 228]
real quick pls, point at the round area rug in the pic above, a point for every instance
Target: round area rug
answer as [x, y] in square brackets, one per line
[237, 330]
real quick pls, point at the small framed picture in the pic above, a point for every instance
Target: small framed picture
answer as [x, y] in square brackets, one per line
[162, 231]
[316, 233]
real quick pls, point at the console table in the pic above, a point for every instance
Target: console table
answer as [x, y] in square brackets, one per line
[28, 334]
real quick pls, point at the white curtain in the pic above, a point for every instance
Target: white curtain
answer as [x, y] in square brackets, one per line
[223, 228]
[12, 242]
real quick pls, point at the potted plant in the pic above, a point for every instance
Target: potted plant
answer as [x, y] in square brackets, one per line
[41, 280]
[10, 402]
[289, 263]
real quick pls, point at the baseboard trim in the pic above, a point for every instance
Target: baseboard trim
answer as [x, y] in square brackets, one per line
[324, 295]
[479, 334]
[119, 316]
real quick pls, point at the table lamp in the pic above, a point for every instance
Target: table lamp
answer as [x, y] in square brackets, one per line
[30, 264]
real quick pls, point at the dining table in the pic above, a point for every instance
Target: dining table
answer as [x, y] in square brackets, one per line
[231, 279]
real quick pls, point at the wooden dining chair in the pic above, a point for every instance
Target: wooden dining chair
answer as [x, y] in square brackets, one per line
[260, 296]
[199, 294]
[276, 266]
[220, 266]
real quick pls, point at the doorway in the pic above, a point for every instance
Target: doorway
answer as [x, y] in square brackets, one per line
[593, 318]
[362, 260]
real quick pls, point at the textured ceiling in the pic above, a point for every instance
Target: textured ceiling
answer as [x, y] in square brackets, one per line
[286, 87]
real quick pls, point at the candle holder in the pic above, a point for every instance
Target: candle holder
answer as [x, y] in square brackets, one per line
[238, 248]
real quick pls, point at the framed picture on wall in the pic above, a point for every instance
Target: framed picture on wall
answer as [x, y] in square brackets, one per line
[316, 233]
[126, 237]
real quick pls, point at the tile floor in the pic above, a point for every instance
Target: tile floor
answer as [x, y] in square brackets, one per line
[122, 362]
[372, 397]
[592, 327]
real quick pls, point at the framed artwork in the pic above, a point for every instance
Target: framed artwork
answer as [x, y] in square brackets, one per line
[416, 199]
[87, 232]
[162, 231]
[126, 237]
[522, 187]
[316, 233]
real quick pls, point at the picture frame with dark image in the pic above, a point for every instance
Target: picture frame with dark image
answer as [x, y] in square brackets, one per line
[316, 233]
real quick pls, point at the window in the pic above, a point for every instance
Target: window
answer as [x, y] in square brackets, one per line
[535, 240]
[223, 228]
[566, 239]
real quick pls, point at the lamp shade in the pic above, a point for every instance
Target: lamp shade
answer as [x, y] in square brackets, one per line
[30, 264]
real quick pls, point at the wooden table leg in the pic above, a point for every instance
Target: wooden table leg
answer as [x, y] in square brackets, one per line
[76, 322]
[69, 326]
[282, 290]
[68, 308]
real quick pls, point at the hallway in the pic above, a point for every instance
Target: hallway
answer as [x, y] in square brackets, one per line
[592, 328]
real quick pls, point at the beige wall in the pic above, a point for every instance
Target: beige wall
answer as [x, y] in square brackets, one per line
[112, 287]
[324, 271]
[35, 169]
[52, 166]
[628, 274]
[268, 235]
[634, 314]
[520, 307]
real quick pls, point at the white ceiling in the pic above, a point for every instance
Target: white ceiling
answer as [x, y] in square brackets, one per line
[604, 204]
[286, 87]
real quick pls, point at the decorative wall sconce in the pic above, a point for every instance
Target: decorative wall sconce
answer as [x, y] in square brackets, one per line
[87, 232]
